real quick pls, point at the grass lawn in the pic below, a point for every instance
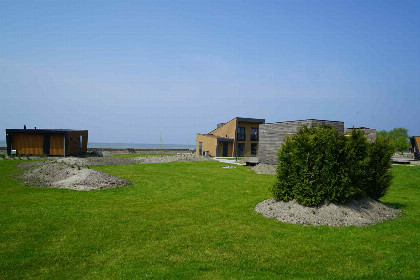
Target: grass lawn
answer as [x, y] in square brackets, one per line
[193, 220]
[141, 155]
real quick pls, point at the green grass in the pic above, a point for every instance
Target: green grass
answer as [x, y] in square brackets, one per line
[189, 221]
[141, 155]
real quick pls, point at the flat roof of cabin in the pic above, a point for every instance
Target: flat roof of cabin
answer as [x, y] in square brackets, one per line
[41, 130]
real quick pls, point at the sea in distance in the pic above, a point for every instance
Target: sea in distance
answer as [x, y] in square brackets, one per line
[129, 146]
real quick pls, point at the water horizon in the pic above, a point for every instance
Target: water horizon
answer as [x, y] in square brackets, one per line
[99, 145]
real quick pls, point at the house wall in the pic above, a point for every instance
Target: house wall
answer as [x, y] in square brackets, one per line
[370, 133]
[57, 144]
[28, 143]
[230, 149]
[209, 144]
[248, 126]
[73, 142]
[227, 130]
[272, 136]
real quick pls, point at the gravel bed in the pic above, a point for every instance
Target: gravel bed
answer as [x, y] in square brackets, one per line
[358, 213]
[89, 161]
[74, 173]
[263, 168]
[65, 176]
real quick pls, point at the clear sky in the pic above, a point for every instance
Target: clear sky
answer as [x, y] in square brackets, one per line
[131, 70]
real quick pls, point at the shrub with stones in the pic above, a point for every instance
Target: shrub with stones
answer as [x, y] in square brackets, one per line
[318, 164]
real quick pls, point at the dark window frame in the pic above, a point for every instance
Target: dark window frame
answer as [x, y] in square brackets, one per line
[243, 150]
[256, 150]
[254, 136]
[239, 135]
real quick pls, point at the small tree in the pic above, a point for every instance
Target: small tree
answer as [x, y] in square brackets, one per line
[399, 137]
[318, 164]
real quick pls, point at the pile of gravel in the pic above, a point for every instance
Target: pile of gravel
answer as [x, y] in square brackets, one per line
[353, 213]
[74, 173]
[176, 158]
[263, 168]
[90, 161]
[65, 176]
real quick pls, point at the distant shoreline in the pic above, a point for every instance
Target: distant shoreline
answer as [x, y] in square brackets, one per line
[124, 146]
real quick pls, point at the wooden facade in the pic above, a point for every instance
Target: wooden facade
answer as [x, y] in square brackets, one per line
[272, 136]
[51, 142]
[415, 146]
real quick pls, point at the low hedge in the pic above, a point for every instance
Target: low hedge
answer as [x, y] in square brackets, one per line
[318, 164]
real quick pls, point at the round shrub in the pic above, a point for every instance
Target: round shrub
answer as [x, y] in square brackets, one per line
[318, 164]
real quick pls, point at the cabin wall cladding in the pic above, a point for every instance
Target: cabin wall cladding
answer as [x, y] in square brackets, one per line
[272, 136]
[73, 144]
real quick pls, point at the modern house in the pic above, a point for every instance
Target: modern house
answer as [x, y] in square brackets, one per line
[272, 136]
[414, 146]
[237, 137]
[57, 142]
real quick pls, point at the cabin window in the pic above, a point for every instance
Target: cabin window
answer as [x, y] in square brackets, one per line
[200, 148]
[241, 134]
[254, 134]
[254, 149]
[241, 149]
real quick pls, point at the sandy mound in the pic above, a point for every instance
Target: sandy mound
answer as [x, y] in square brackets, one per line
[263, 168]
[65, 176]
[354, 213]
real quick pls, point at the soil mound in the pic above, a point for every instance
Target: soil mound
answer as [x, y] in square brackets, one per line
[359, 213]
[65, 176]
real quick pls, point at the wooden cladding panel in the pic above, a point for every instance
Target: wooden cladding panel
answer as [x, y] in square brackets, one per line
[272, 136]
[73, 144]
[57, 144]
[28, 144]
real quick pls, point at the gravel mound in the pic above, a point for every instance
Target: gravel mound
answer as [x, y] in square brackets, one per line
[89, 161]
[176, 158]
[262, 168]
[62, 175]
[359, 213]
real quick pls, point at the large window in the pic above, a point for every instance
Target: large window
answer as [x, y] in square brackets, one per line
[241, 134]
[254, 149]
[254, 134]
[241, 149]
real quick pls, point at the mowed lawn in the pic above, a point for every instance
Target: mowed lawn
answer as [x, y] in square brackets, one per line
[142, 155]
[193, 221]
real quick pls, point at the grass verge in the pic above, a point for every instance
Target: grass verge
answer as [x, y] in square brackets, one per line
[142, 155]
[193, 220]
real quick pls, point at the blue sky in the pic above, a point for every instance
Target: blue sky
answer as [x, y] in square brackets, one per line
[130, 71]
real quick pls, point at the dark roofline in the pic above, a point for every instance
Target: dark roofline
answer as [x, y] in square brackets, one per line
[56, 131]
[306, 120]
[240, 119]
[362, 127]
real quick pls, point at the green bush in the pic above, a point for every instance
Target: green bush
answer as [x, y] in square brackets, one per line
[318, 164]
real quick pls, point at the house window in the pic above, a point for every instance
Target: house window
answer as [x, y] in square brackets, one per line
[254, 134]
[254, 149]
[241, 149]
[241, 134]
[200, 148]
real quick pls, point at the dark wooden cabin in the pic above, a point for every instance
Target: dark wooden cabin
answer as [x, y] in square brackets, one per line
[51, 142]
